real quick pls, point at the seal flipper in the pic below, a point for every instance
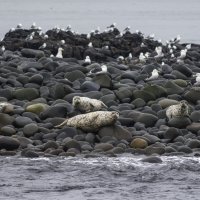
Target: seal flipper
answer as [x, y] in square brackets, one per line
[62, 124]
[104, 105]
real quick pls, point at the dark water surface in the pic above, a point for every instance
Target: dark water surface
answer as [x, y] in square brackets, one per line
[164, 18]
[125, 177]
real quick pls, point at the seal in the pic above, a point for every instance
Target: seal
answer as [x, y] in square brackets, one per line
[178, 111]
[6, 107]
[85, 104]
[91, 121]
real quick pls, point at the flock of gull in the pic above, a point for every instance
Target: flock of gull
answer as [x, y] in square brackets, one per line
[143, 58]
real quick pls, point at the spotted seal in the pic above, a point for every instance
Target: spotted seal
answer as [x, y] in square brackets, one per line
[178, 110]
[91, 121]
[85, 104]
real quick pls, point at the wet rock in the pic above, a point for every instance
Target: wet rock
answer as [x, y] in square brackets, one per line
[103, 146]
[50, 145]
[193, 143]
[30, 129]
[194, 127]
[185, 149]
[8, 143]
[71, 144]
[152, 159]
[154, 150]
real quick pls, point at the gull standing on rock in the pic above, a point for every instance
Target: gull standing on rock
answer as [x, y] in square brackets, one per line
[183, 54]
[154, 75]
[159, 52]
[87, 60]
[59, 54]
[142, 57]
[197, 79]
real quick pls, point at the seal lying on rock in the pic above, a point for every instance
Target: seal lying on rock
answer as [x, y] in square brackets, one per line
[86, 104]
[6, 107]
[178, 110]
[91, 121]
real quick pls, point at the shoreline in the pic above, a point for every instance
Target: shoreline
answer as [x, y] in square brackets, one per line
[39, 88]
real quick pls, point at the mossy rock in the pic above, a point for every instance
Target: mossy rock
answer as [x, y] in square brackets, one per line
[139, 143]
[156, 90]
[37, 108]
[193, 95]
[173, 88]
[146, 96]
[180, 82]
[164, 103]
[26, 94]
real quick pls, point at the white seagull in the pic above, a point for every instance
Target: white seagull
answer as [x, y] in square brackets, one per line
[87, 60]
[59, 54]
[154, 75]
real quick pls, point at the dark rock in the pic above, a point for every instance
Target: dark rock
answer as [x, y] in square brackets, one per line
[179, 122]
[152, 159]
[26, 94]
[171, 133]
[71, 144]
[8, 143]
[22, 121]
[103, 146]
[30, 129]
[31, 53]
[7, 131]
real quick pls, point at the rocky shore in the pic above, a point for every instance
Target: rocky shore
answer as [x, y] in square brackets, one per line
[38, 86]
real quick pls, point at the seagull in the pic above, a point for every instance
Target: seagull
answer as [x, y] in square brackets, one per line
[12, 29]
[97, 30]
[188, 46]
[3, 49]
[120, 59]
[43, 46]
[69, 28]
[151, 36]
[113, 25]
[59, 54]
[62, 42]
[183, 54]
[33, 26]
[159, 52]
[142, 57]
[127, 29]
[154, 75]
[88, 36]
[87, 60]
[119, 36]
[90, 44]
[98, 70]
[19, 26]
[197, 79]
